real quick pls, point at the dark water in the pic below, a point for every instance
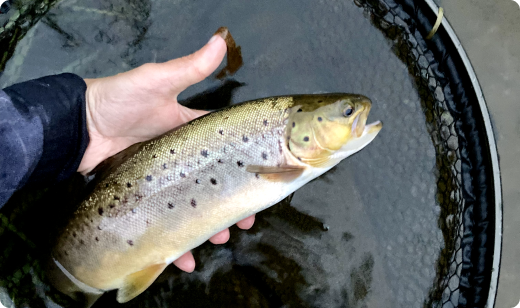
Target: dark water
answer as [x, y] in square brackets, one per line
[366, 234]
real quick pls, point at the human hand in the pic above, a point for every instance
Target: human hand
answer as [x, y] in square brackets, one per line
[141, 104]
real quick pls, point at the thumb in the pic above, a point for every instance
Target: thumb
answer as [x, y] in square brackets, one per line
[186, 71]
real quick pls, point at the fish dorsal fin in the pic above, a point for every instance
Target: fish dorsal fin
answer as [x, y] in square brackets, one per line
[276, 174]
[137, 282]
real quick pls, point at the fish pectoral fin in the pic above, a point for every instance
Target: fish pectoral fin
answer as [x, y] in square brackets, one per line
[276, 174]
[137, 282]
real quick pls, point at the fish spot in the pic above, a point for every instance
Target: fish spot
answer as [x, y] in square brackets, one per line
[293, 124]
[97, 239]
[264, 155]
[193, 203]
[320, 119]
[204, 153]
[221, 132]
[320, 101]
[182, 175]
[99, 228]
[82, 242]
[154, 156]
[128, 185]
[172, 151]
[65, 252]
[244, 138]
[170, 205]
[220, 161]
[106, 185]
[74, 234]
[257, 175]
[225, 118]
[299, 158]
[300, 110]
[112, 206]
[100, 211]
[306, 138]
[197, 181]
[148, 178]
[116, 198]
[213, 181]
[240, 164]
[130, 242]
[265, 122]
[164, 166]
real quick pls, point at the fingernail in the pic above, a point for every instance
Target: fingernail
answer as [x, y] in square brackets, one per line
[223, 32]
[213, 38]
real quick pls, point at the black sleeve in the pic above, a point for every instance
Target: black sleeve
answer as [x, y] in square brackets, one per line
[43, 131]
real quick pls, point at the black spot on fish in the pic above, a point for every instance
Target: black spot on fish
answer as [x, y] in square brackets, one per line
[106, 185]
[116, 198]
[320, 101]
[65, 252]
[128, 185]
[99, 228]
[306, 138]
[112, 206]
[92, 220]
[225, 118]
[74, 234]
[213, 181]
[182, 175]
[264, 155]
[100, 211]
[293, 124]
[148, 178]
[320, 119]
[244, 138]
[299, 159]
[130, 242]
[240, 164]
[154, 156]
[300, 110]
[164, 166]
[265, 122]
[172, 151]
[221, 132]
[97, 239]
[170, 205]
[204, 153]
[193, 203]
[197, 181]
[138, 198]
[257, 175]
[82, 242]
[220, 161]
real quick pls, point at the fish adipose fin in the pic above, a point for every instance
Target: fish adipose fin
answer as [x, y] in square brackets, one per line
[276, 174]
[137, 282]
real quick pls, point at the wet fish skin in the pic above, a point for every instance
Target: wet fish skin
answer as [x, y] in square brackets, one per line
[158, 199]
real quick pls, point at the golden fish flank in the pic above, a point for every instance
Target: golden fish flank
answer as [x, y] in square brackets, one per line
[158, 199]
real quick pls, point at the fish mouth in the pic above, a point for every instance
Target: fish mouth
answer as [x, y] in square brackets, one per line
[359, 126]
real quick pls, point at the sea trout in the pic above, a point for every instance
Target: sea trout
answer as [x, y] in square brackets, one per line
[158, 199]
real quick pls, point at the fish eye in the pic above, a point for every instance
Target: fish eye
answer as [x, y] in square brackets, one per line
[348, 111]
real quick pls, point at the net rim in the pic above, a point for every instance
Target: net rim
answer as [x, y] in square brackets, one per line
[493, 151]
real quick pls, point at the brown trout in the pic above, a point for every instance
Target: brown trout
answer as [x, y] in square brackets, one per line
[158, 199]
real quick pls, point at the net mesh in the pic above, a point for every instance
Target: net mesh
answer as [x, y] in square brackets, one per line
[441, 126]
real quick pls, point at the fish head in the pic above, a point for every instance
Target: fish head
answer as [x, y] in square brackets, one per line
[324, 129]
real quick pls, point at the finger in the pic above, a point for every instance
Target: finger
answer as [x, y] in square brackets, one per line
[246, 223]
[186, 114]
[186, 262]
[220, 238]
[183, 72]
